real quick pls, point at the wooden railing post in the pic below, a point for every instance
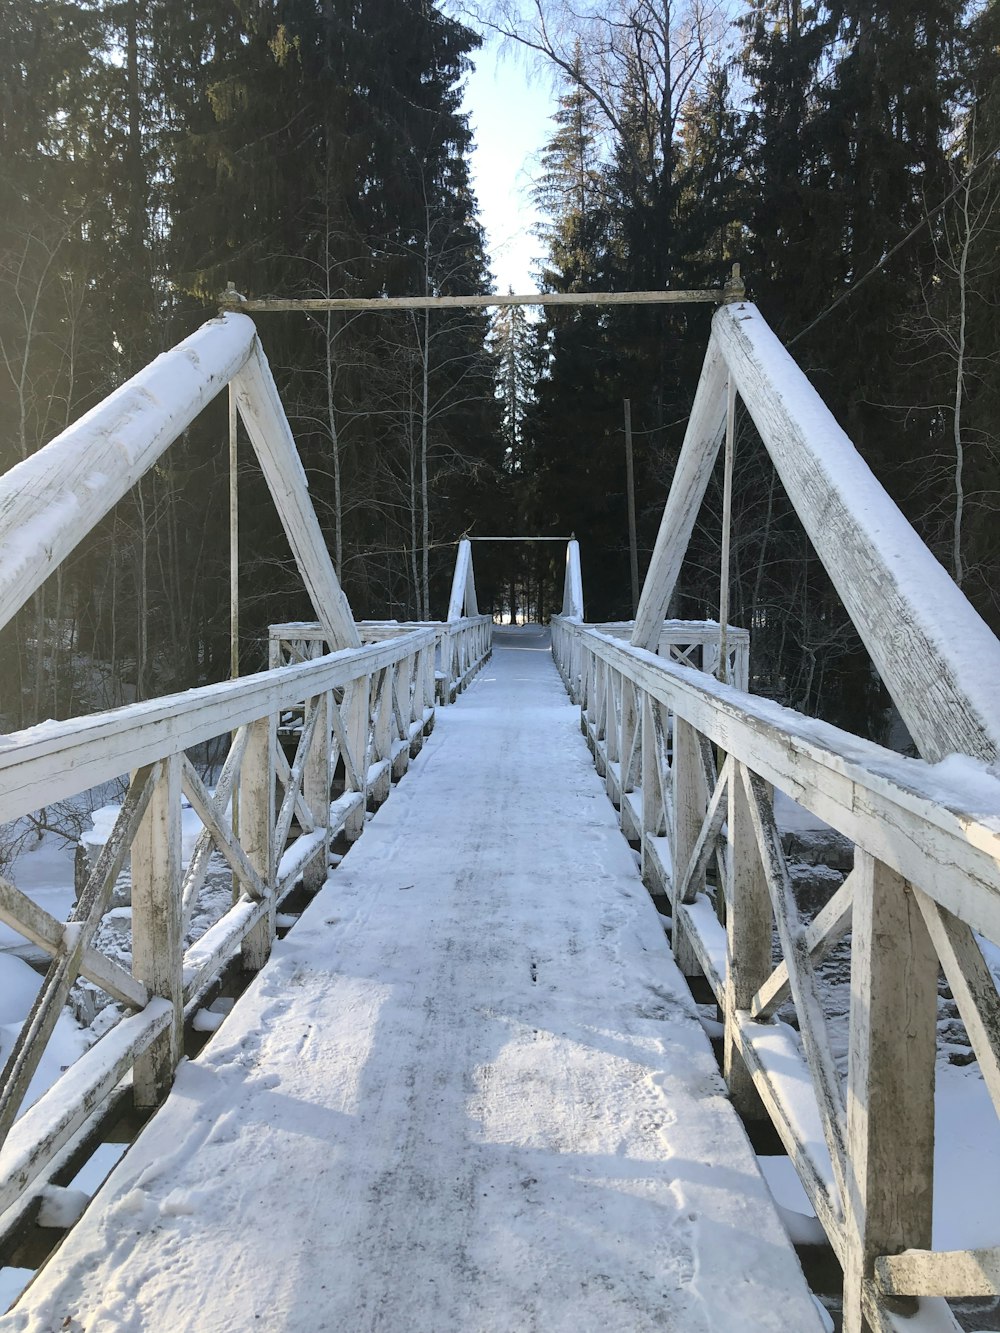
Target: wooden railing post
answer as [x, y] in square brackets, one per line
[653, 802]
[156, 929]
[257, 816]
[690, 801]
[382, 737]
[358, 717]
[430, 683]
[316, 789]
[613, 731]
[890, 1082]
[748, 942]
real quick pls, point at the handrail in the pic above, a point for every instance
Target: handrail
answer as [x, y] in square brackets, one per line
[692, 764]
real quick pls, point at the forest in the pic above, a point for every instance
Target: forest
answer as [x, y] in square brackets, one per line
[844, 154]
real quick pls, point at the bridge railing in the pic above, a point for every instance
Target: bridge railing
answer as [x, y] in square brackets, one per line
[462, 646]
[361, 713]
[693, 765]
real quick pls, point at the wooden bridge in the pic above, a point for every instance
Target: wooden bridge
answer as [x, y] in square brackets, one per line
[469, 1088]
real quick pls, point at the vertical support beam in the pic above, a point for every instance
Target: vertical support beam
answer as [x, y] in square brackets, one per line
[257, 829]
[234, 539]
[316, 781]
[690, 801]
[356, 712]
[156, 928]
[633, 548]
[748, 942]
[458, 603]
[653, 804]
[382, 736]
[572, 606]
[890, 1081]
[722, 670]
[402, 678]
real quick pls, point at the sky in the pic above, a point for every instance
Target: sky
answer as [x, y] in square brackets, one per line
[510, 115]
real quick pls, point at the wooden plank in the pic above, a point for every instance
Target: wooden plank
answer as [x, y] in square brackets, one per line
[690, 801]
[156, 928]
[209, 954]
[51, 500]
[823, 933]
[890, 1081]
[316, 782]
[748, 937]
[953, 1273]
[257, 832]
[293, 798]
[25, 916]
[77, 933]
[972, 987]
[267, 426]
[938, 658]
[46, 763]
[888, 805]
[667, 296]
[687, 490]
[691, 883]
[357, 707]
[458, 601]
[205, 843]
[52, 1121]
[801, 975]
[283, 772]
[222, 837]
[786, 1119]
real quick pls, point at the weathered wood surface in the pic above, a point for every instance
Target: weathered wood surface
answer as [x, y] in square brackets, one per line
[461, 1109]
[475, 302]
[890, 1123]
[888, 805]
[938, 658]
[50, 501]
[57, 759]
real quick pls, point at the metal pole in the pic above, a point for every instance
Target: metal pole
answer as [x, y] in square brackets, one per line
[727, 518]
[630, 492]
[232, 301]
[234, 591]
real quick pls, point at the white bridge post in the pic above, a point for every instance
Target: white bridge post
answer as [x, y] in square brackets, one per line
[156, 929]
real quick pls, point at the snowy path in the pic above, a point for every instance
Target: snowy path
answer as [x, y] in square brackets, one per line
[469, 1092]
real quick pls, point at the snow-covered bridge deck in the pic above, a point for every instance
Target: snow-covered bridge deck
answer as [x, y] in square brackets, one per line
[469, 1090]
